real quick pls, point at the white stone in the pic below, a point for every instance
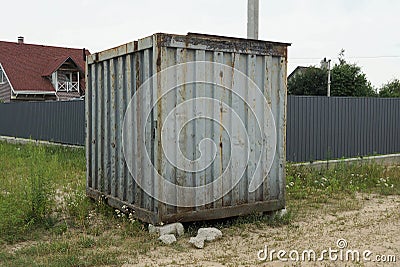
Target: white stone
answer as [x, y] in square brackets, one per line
[209, 234]
[205, 234]
[174, 228]
[167, 239]
[180, 230]
[197, 242]
[152, 229]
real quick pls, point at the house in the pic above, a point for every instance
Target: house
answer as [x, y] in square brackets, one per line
[30, 72]
[325, 64]
[297, 71]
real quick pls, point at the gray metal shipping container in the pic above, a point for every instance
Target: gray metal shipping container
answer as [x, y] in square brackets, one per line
[127, 140]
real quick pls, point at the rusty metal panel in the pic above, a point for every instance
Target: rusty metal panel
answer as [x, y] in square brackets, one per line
[183, 128]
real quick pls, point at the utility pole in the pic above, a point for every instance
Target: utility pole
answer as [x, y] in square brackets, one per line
[329, 78]
[253, 11]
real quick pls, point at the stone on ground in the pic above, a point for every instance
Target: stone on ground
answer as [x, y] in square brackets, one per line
[174, 228]
[205, 234]
[167, 239]
[197, 242]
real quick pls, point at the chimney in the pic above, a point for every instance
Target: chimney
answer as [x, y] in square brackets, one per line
[84, 54]
[20, 40]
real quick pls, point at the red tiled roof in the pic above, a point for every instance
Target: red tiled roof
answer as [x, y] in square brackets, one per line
[25, 64]
[56, 64]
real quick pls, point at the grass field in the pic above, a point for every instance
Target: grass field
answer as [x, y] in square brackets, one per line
[46, 220]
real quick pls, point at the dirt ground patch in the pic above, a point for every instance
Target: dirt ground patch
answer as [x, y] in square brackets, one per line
[371, 223]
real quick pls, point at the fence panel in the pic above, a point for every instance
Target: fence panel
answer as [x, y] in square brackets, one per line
[58, 121]
[320, 128]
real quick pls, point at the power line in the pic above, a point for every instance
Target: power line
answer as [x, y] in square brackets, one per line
[361, 57]
[306, 58]
[373, 57]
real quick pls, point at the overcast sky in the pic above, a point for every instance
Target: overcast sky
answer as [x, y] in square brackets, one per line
[367, 29]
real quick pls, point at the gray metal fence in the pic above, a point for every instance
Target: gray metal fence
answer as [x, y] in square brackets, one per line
[61, 122]
[321, 128]
[318, 128]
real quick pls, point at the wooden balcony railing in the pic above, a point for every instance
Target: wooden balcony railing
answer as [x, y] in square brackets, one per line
[68, 86]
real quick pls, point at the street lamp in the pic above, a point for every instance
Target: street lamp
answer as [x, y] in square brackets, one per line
[329, 78]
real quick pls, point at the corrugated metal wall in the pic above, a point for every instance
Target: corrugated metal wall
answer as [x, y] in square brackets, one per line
[320, 128]
[111, 83]
[61, 122]
[114, 75]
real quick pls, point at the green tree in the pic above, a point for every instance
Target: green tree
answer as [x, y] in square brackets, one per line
[312, 81]
[349, 80]
[391, 89]
[346, 80]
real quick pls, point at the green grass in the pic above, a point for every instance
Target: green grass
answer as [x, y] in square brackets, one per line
[29, 176]
[336, 188]
[303, 182]
[47, 220]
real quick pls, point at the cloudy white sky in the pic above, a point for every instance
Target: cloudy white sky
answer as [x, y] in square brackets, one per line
[367, 29]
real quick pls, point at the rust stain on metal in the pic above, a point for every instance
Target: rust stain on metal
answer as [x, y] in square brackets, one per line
[137, 74]
[221, 129]
[159, 48]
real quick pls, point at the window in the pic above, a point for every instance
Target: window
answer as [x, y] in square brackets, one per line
[2, 76]
[67, 81]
